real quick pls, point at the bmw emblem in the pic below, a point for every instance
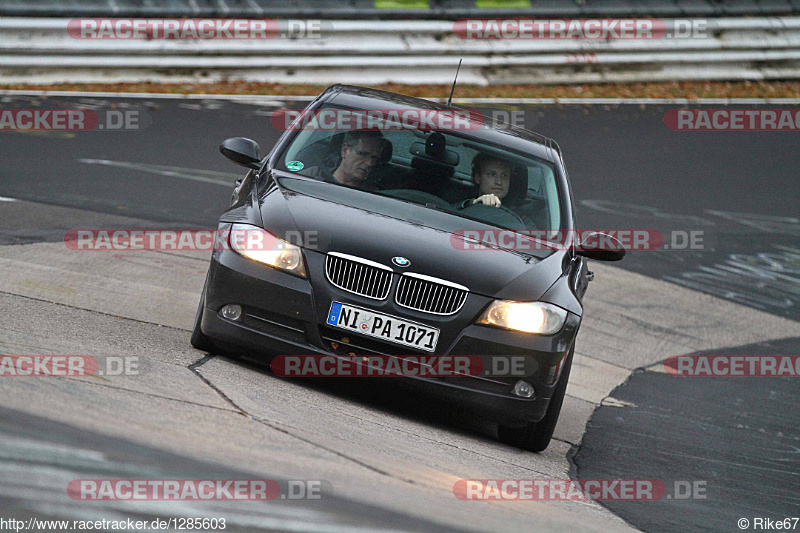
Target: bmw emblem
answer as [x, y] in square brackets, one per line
[401, 261]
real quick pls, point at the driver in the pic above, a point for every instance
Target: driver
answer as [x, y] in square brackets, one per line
[361, 151]
[492, 176]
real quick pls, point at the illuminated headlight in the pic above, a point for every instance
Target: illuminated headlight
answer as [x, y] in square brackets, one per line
[262, 246]
[530, 317]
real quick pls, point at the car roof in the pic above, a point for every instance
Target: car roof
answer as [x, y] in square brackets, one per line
[500, 133]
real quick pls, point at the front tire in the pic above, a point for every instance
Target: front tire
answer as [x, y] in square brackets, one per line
[536, 436]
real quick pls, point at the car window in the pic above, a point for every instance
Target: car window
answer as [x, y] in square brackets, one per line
[440, 169]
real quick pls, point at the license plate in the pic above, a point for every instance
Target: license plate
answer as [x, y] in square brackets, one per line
[382, 326]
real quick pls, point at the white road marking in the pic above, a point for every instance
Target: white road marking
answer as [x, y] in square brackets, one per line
[4, 199]
[203, 176]
[613, 402]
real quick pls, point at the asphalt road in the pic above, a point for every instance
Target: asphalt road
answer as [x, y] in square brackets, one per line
[736, 191]
[71, 454]
[382, 451]
[734, 457]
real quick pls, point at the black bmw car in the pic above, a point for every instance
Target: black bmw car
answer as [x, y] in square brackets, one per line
[398, 226]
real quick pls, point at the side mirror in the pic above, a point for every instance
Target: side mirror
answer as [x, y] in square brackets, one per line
[241, 151]
[601, 246]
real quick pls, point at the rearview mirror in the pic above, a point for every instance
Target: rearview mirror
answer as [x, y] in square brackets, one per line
[601, 246]
[241, 151]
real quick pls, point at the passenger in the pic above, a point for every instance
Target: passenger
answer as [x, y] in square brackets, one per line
[361, 150]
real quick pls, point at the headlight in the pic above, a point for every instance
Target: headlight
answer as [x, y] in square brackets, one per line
[530, 317]
[262, 246]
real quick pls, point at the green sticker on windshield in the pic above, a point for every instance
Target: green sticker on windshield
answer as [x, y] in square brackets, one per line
[294, 166]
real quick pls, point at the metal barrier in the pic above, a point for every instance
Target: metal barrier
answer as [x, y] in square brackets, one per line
[40, 50]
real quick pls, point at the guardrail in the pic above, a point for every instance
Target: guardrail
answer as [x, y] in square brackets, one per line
[40, 50]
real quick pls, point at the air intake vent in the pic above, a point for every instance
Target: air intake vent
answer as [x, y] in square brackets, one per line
[431, 295]
[359, 276]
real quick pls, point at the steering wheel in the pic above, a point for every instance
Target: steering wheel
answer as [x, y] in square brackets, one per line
[500, 216]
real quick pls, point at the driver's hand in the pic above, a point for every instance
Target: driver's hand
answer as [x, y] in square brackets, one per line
[488, 199]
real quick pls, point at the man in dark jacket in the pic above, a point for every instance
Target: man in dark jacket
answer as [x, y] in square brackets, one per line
[360, 152]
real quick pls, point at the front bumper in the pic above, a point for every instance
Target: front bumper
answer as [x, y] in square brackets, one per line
[285, 315]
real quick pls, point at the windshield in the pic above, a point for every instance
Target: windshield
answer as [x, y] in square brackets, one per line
[449, 170]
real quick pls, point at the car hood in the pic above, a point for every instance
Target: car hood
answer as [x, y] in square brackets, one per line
[380, 229]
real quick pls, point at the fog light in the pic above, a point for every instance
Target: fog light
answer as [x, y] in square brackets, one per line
[232, 312]
[523, 389]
